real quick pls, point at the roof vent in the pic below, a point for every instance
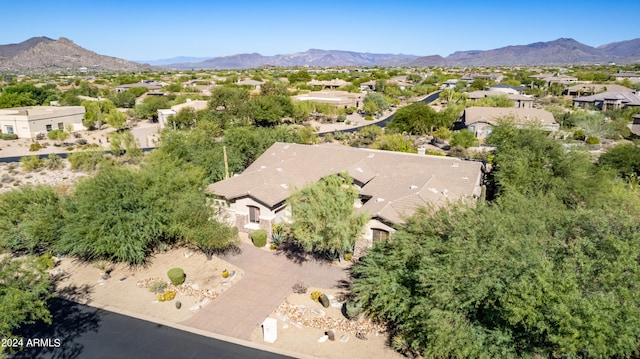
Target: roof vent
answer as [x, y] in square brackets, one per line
[284, 185]
[263, 167]
[379, 199]
[279, 169]
[413, 186]
[455, 164]
[371, 155]
[433, 190]
[285, 147]
[359, 170]
[444, 192]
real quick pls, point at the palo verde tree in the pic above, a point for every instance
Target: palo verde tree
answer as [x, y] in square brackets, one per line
[24, 292]
[324, 218]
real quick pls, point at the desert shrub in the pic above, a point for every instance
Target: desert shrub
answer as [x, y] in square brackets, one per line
[167, 296]
[341, 117]
[315, 296]
[53, 162]
[9, 136]
[176, 276]
[178, 304]
[36, 146]
[56, 135]
[30, 163]
[157, 286]
[324, 300]
[273, 246]
[368, 118]
[299, 288]
[592, 141]
[81, 141]
[45, 261]
[352, 309]
[348, 256]
[579, 135]
[85, 160]
[225, 274]
[259, 238]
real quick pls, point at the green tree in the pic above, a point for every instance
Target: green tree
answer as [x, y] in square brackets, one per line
[464, 139]
[124, 143]
[24, 293]
[95, 112]
[624, 159]
[419, 118]
[116, 118]
[30, 219]
[395, 142]
[324, 217]
[375, 104]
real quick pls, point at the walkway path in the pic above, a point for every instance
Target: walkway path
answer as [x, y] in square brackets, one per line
[268, 278]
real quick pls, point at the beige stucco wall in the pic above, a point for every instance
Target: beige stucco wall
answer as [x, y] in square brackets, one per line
[29, 121]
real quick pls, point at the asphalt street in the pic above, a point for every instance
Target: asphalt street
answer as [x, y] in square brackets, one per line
[79, 331]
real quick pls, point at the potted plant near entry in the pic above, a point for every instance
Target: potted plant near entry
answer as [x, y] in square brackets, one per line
[225, 274]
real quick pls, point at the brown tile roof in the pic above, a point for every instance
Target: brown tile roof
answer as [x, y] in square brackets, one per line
[475, 95]
[396, 183]
[492, 114]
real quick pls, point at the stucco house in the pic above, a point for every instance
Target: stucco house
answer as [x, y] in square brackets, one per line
[480, 120]
[609, 100]
[518, 100]
[31, 121]
[163, 114]
[341, 99]
[392, 185]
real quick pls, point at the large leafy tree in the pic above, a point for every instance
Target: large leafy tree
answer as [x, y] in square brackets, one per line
[324, 218]
[548, 267]
[30, 219]
[420, 118]
[24, 291]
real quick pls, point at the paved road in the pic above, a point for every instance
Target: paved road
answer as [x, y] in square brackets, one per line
[86, 332]
[268, 279]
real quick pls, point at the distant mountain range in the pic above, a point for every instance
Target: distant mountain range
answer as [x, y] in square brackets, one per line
[42, 54]
[45, 54]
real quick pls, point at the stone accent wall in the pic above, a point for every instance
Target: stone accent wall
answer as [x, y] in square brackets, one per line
[241, 221]
[266, 225]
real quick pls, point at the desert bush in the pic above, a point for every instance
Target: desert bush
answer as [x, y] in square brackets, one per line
[85, 160]
[45, 261]
[167, 296]
[176, 276]
[299, 288]
[178, 304]
[9, 136]
[36, 146]
[315, 295]
[592, 141]
[225, 274]
[348, 256]
[157, 286]
[53, 162]
[259, 238]
[30, 163]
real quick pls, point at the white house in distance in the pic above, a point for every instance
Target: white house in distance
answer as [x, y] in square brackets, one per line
[392, 184]
[480, 120]
[163, 114]
[29, 122]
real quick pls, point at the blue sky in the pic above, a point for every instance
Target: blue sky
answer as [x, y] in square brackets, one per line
[150, 30]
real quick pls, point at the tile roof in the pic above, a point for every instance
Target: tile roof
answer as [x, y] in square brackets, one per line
[396, 183]
[492, 114]
[627, 98]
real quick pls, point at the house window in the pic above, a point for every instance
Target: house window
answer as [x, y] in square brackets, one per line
[60, 126]
[9, 129]
[254, 214]
[380, 235]
[49, 128]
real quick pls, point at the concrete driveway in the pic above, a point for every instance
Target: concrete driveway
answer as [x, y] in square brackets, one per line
[268, 278]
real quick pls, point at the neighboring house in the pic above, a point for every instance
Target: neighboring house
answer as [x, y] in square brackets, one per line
[163, 114]
[608, 100]
[31, 121]
[449, 84]
[337, 98]
[514, 90]
[368, 86]
[480, 120]
[392, 184]
[331, 85]
[634, 77]
[521, 101]
[635, 126]
[152, 86]
[253, 83]
[560, 79]
[592, 89]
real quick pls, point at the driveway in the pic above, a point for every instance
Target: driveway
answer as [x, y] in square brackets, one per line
[268, 278]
